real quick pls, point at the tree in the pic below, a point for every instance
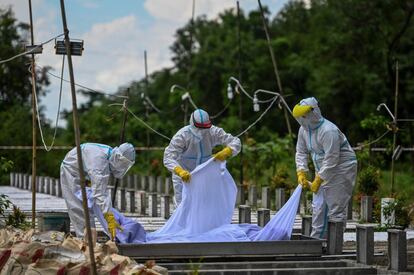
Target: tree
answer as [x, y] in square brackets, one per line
[15, 90]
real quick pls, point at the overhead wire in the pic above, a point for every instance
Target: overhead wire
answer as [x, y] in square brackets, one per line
[58, 111]
[140, 120]
[374, 141]
[222, 111]
[259, 118]
[83, 86]
[239, 86]
[31, 50]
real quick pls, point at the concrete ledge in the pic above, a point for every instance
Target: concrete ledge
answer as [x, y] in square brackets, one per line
[221, 249]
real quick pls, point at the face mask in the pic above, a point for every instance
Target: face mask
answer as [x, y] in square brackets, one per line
[312, 120]
[303, 122]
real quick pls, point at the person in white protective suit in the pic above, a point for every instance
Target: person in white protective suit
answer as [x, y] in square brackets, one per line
[192, 145]
[99, 162]
[335, 165]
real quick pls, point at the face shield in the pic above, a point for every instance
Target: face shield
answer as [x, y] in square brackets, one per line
[122, 159]
[200, 122]
[307, 113]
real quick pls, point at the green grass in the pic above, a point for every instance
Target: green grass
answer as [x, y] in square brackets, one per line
[403, 185]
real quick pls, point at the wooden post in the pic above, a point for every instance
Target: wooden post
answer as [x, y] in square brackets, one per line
[122, 137]
[77, 140]
[34, 116]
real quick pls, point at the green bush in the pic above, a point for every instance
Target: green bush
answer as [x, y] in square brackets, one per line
[5, 167]
[369, 180]
[281, 179]
[5, 203]
[17, 219]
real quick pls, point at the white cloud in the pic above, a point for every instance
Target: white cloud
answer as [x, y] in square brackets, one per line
[180, 11]
[115, 50]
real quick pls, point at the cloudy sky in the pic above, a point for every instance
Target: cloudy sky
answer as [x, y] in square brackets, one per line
[115, 33]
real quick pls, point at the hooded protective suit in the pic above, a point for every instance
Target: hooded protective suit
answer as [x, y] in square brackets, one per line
[334, 161]
[99, 161]
[192, 145]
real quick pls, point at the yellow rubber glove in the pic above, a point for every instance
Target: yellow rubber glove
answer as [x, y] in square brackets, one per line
[224, 154]
[302, 180]
[316, 184]
[112, 224]
[184, 174]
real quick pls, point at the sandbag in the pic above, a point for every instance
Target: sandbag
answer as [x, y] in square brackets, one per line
[46, 267]
[4, 256]
[22, 254]
[78, 269]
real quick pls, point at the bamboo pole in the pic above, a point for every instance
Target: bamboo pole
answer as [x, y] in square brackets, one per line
[122, 137]
[77, 140]
[395, 129]
[272, 55]
[240, 97]
[34, 128]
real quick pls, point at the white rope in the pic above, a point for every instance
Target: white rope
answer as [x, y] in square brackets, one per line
[260, 117]
[374, 141]
[162, 135]
[57, 115]
[140, 120]
[152, 105]
[238, 85]
[83, 86]
[192, 103]
[222, 111]
[29, 51]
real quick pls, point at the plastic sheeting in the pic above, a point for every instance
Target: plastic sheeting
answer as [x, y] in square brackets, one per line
[205, 214]
[132, 232]
[208, 203]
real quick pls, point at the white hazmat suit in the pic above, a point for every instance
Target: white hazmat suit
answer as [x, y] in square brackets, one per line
[335, 163]
[192, 145]
[99, 161]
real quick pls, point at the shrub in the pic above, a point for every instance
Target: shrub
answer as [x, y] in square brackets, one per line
[368, 180]
[281, 179]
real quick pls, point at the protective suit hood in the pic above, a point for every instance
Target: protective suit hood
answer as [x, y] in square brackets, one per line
[313, 119]
[122, 159]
